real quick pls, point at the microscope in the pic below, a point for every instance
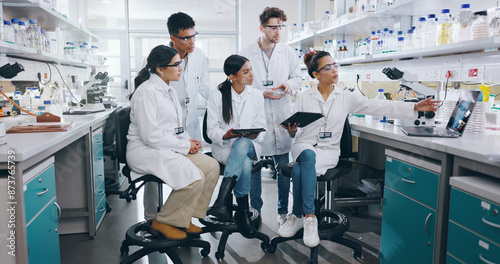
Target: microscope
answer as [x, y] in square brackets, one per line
[94, 91]
[409, 83]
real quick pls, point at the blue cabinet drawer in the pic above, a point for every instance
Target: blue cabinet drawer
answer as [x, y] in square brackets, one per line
[479, 215]
[99, 192]
[420, 184]
[39, 191]
[408, 229]
[471, 248]
[97, 143]
[43, 237]
[452, 260]
[100, 209]
[98, 159]
[98, 176]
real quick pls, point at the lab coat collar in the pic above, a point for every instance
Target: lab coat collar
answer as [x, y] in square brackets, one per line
[256, 48]
[159, 84]
[243, 95]
[317, 95]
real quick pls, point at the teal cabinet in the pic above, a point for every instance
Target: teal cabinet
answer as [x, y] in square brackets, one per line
[408, 229]
[471, 248]
[98, 175]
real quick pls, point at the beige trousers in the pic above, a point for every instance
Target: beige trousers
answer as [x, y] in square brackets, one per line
[192, 200]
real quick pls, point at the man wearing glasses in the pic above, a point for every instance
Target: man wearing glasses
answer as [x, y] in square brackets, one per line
[193, 80]
[277, 73]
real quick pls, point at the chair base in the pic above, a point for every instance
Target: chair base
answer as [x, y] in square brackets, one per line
[142, 235]
[227, 228]
[332, 231]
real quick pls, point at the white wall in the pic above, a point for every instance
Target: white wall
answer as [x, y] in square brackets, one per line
[250, 11]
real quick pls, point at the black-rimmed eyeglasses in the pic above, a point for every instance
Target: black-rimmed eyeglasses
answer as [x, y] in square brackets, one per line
[275, 27]
[176, 64]
[187, 38]
[329, 67]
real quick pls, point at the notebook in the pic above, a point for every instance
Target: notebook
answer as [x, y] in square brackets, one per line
[457, 122]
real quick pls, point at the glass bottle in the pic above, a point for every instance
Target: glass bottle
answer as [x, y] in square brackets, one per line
[418, 33]
[22, 37]
[33, 33]
[8, 32]
[42, 42]
[480, 27]
[15, 27]
[401, 44]
[409, 40]
[373, 43]
[444, 28]
[345, 52]
[325, 21]
[381, 96]
[462, 24]
[429, 32]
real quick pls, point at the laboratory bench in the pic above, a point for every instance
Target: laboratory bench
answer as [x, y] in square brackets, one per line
[426, 181]
[53, 183]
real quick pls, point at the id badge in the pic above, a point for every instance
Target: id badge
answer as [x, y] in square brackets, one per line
[179, 130]
[186, 101]
[267, 83]
[323, 135]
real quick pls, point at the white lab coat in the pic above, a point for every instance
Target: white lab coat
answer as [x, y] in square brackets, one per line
[193, 81]
[337, 107]
[248, 112]
[284, 67]
[153, 146]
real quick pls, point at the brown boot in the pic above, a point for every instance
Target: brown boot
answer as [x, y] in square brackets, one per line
[193, 230]
[170, 232]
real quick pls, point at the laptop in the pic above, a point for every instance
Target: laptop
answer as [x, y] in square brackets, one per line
[457, 122]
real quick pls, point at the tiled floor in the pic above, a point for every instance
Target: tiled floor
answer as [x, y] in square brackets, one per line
[105, 247]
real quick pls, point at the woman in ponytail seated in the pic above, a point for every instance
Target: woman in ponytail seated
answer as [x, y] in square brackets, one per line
[317, 145]
[159, 145]
[235, 105]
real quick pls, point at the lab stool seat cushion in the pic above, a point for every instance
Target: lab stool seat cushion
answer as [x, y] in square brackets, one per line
[144, 236]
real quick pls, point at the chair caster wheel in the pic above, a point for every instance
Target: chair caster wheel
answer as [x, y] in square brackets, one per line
[204, 252]
[356, 255]
[123, 250]
[271, 249]
[263, 246]
[219, 255]
[128, 199]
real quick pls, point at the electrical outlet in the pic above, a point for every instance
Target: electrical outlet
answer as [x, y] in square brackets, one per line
[433, 74]
[473, 73]
[455, 74]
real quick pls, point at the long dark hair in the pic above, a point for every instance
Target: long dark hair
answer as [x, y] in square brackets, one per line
[232, 65]
[159, 56]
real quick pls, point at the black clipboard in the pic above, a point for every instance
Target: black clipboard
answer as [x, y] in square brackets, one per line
[248, 130]
[302, 118]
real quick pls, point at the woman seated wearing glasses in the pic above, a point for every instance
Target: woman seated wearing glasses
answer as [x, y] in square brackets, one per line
[317, 146]
[158, 145]
[235, 105]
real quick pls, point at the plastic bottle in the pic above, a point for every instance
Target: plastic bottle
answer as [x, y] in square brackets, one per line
[42, 43]
[18, 99]
[480, 27]
[444, 28]
[331, 48]
[390, 42]
[429, 32]
[409, 40]
[48, 106]
[15, 27]
[22, 36]
[373, 43]
[8, 32]
[401, 44]
[36, 102]
[418, 33]
[380, 96]
[35, 91]
[462, 24]
[33, 33]
[292, 31]
[28, 99]
[325, 21]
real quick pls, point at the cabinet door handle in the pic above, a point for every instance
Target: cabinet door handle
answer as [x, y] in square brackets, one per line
[425, 225]
[98, 160]
[43, 192]
[99, 177]
[104, 208]
[100, 193]
[59, 212]
[98, 143]
[408, 181]
[483, 259]
[490, 223]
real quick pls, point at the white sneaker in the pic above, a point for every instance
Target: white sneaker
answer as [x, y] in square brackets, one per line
[291, 226]
[281, 219]
[311, 237]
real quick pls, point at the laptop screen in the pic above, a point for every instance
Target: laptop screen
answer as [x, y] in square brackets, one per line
[462, 111]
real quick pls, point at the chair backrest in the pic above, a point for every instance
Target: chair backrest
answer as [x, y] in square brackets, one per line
[204, 132]
[346, 141]
[108, 134]
[122, 123]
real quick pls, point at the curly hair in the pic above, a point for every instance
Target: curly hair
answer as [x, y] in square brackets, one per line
[179, 21]
[270, 12]
[311, 60]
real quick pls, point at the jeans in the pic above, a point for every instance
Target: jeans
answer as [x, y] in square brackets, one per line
[283, 186]
[283, 183]
[239, 163]
[304, 183]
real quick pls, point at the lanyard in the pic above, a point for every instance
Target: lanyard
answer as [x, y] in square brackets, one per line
[238, 113]
[323, 112]
[171, 98]
[266, 66]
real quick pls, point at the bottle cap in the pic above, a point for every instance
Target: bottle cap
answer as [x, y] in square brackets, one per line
[6, 22]
[21, 23]
[17, 92]
[32, 21]
[421, 19]
[445, 11]
[41, 107]
[15, 21]
[37, 97]
[327, 12]
[431, 16]
[466, 6]
[46, 102]
[410, 31]
[401, 38]
[380, 90]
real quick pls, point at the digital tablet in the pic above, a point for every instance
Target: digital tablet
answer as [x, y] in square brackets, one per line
[302, 118]
[248, 130]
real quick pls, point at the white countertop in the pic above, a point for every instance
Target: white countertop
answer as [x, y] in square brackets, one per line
[27, 145]
[482, 147]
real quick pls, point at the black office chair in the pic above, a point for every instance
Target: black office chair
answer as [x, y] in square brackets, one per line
[227, 228]
[331, 224]
[112, 186]
[141, 234]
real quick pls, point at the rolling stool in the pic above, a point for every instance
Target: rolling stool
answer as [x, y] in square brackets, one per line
[331, 224]
[212, 224]
[141, 234]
